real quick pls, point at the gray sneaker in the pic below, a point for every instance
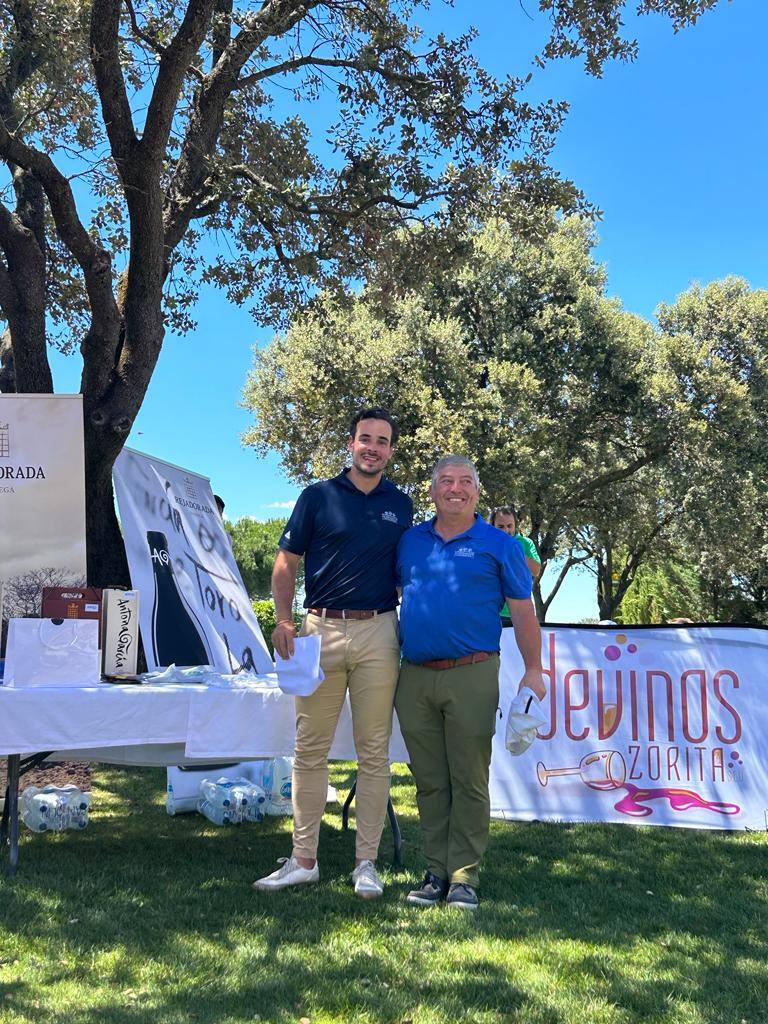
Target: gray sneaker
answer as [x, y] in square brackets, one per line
[368, 885]
[462, 895]
[431, 891]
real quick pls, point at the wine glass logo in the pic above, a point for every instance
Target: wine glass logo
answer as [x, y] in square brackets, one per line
[600, 769]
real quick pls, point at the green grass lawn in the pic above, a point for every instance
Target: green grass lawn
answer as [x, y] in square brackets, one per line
[143, 917]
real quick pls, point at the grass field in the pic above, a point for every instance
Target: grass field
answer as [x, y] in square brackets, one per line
[145, 918]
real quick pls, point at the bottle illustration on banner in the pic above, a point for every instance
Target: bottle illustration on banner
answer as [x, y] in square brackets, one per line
[177, 636]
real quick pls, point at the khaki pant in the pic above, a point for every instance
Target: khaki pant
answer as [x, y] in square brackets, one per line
[448, 719]
[362, 656]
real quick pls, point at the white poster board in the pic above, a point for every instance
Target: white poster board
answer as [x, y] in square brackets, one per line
[194, 608]
[42, 498]
[651, 725]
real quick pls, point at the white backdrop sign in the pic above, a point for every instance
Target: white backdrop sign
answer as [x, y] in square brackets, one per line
[653, 725]
[194, 608]
[42, 497]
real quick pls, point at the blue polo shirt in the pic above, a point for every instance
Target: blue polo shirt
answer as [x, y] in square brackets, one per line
[453, 590]
[349, 542]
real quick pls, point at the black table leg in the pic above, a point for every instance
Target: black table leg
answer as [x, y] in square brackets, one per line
[9, 826]
[12, 809]
[397, 860]
[397, 839]
[347, 805]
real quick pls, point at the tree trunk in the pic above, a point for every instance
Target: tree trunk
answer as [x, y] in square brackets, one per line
[107, 562]
[538, 600]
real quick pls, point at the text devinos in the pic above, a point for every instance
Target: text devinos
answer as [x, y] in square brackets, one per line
[658, 706]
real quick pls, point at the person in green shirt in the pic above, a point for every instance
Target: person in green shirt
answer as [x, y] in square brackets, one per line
[505, 518]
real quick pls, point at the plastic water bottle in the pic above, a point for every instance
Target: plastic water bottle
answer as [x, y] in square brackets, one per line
[256, 807]
[217, 815]
[223, 792]
[37, 814]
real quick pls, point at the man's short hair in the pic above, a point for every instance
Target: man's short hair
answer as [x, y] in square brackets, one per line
[375, 412]
[454, 460]
[502, 510]
[219, 503]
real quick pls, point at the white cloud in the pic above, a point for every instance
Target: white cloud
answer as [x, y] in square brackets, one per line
[281, 504]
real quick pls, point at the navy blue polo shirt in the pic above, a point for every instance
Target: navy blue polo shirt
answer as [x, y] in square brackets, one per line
[453, 590]
[349, 542]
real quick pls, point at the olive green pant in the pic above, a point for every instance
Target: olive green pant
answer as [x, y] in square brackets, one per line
[448, 719]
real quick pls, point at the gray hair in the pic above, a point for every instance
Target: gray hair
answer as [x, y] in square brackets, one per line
[454, 460]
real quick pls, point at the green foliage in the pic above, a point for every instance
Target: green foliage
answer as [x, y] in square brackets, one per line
[664, 591]
[612, 437]
[515, 358]
[583, 28]
[255, 545]
[265, 613]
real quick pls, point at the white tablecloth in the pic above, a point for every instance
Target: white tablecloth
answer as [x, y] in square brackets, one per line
[160, 725]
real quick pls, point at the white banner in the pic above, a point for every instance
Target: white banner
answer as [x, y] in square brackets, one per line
[42, 498]
[652, 725]
[194, 608]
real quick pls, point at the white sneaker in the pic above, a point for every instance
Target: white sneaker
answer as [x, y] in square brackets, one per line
[368, 885]
[291, 873]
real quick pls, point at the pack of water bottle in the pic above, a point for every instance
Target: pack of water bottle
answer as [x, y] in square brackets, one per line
[54, 808]
[226, 801]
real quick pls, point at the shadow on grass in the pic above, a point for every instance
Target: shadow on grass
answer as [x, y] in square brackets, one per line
[159, 914]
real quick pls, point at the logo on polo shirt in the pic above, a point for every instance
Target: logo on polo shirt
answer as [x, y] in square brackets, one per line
[465, 552]
[390, 517]
[287, 535]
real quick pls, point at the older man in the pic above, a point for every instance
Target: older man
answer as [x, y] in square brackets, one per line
[455, 572]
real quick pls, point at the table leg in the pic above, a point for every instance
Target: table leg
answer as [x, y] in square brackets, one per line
[397, 839]
[4, 821]
[347, 805]
[12, 807]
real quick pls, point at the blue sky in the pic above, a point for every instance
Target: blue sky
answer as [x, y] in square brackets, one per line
[671, 148]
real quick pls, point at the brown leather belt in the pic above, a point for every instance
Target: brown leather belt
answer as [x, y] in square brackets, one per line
[440, 664]
[346, 613]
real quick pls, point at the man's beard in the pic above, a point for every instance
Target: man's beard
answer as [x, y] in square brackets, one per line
[366, 469]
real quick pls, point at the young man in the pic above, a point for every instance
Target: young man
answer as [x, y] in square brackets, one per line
[505, 518]
[455, 571]
[347, 529]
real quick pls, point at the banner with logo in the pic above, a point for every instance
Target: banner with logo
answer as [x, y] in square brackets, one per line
[194, 608]
[652, 725]
[42, 498]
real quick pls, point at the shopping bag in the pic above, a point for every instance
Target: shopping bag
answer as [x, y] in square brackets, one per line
[52, 652]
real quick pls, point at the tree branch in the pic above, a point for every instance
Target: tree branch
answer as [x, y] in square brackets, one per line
[569, 564]
[94, 261]
[174, 65]
[274, 18]
[309, 60]
[315, 205]
[105, 57]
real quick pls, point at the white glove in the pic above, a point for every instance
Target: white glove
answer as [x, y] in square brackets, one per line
[524, 718]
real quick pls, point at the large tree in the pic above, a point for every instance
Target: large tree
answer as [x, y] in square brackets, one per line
[181, 120]
[195, 143]
[708, 507]
[514, 357]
